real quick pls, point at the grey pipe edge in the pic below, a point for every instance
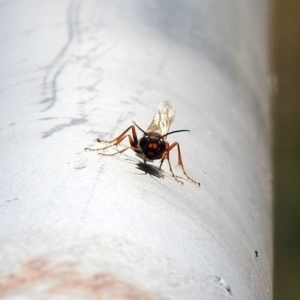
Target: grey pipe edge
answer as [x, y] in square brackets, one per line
[75, 222]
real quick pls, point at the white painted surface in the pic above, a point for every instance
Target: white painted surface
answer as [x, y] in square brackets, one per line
[74, 71]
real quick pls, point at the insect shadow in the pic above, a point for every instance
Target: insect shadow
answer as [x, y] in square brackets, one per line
[147, 168]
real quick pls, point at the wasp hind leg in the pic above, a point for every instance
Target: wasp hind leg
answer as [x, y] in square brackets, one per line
[115, 142]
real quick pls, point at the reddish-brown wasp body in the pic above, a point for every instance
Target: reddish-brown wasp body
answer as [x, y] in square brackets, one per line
[153, 144]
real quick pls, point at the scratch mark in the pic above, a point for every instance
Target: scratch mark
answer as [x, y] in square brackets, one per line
[224, 284]
[72, 122]
[60, 127]
[53, 83]
[19, 83]
[87, 203]
[80, 168]
[54, 70]
[9, 200]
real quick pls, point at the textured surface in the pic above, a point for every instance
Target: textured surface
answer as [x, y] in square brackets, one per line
[74, 71]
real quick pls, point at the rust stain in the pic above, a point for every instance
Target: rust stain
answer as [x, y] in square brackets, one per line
[46, 280]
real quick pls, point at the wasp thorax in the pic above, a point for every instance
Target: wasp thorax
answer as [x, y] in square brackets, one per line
[152, 145]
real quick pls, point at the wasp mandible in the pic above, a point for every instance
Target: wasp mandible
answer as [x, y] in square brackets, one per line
[153, 144]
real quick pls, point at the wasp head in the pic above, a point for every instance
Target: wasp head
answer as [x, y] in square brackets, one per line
[153, 145]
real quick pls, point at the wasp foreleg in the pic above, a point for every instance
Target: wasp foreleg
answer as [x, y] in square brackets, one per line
[180, 163]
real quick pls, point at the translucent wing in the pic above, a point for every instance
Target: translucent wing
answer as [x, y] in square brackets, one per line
[163, 118]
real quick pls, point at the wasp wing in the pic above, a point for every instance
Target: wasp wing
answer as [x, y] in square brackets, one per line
[163, 118]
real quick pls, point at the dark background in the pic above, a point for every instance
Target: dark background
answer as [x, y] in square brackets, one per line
[286, 148]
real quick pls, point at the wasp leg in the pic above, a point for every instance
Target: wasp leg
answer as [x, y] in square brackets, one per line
[118, 139]
[166, 156]
[180, 163]
[132, 146]
[133, 140]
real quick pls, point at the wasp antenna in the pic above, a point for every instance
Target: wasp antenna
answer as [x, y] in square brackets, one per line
[138, 127]
[175, 131]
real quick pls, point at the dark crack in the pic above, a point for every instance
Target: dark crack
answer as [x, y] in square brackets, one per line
[54, 70]
[60, 127]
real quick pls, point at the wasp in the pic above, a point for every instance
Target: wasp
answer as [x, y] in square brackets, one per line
[153, 144]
